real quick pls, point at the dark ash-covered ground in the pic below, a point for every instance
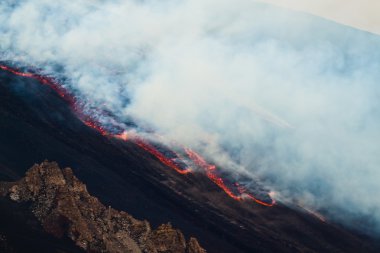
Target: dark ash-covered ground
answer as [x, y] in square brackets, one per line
[36, 124]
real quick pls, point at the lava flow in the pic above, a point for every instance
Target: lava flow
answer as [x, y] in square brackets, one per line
[165, 160]
[245, 193]
[46, 81]
[212, 174]
[235, 191]
[63, 93]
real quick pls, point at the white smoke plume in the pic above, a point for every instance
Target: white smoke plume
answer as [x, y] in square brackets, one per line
[290, 98]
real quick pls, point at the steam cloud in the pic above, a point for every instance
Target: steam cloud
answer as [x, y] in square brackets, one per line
[288, 97]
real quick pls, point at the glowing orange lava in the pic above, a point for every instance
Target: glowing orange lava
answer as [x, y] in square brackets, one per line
[244, 192]
[212, 175]
[211, 172]
[198, 160]
[46, 81]
[167, 161]
[63, 93]
[123, 136]
[16, 72]
[96, 127]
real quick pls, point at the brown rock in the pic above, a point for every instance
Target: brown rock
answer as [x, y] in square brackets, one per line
[65, 208]
[194, 247]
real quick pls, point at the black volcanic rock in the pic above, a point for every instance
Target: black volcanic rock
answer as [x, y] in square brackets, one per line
[64, 207]
[36, 124]
[4, 245]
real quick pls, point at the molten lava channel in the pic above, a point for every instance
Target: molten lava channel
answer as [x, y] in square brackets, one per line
[165, 160]
[235, 191]
[212, 174]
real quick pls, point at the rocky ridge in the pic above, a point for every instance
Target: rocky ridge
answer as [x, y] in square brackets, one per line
[65, 208]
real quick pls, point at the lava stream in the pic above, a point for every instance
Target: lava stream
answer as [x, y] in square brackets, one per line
[62, 92]
[211, 172]
[167, 161]
[244, 192]
[213, 176]
[210, 169]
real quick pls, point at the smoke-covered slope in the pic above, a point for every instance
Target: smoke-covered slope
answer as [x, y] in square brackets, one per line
[285, 96]
[36, 124]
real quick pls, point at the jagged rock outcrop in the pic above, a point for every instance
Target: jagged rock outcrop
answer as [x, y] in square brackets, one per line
[65, 208]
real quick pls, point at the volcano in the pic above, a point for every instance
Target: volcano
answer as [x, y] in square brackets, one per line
[148, 180]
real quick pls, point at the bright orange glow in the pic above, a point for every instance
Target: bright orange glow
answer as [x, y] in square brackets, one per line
[16, 72]
[123, 136]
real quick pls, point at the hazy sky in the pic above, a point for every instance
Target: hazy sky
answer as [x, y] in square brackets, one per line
[363, 14]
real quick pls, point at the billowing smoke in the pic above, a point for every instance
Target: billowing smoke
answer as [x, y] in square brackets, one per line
[290, 98]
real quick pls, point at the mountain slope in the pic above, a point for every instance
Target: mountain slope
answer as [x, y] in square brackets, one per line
[36, 124]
